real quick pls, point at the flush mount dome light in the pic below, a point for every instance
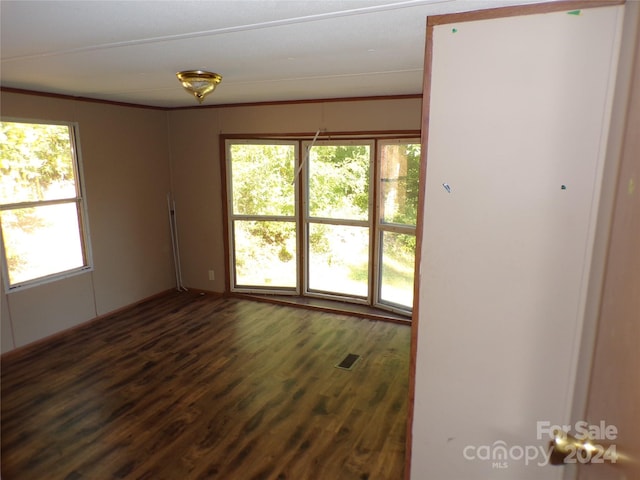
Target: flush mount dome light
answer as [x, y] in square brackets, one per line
[198, 82]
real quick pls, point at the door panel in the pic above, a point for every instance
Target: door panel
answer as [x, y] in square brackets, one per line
[516, 124]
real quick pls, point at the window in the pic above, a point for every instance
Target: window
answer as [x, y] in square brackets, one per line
[42, 214]
[397, 214]
[262, 209]
[344, 229]
[338, 218]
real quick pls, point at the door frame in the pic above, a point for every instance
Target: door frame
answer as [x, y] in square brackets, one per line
[614, 247]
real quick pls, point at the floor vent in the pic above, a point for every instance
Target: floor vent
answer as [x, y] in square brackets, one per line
[348, 362]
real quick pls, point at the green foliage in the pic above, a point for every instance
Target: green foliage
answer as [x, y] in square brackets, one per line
[262, 179]
[410, 185]
[318, 239]
[262, 176]
[36, 162]
[400, 190]
[274, 237]
[261, 245]
[339, 187]
[339, 181]
[271, 233]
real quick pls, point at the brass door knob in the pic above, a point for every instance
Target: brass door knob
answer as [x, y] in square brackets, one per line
[566, 448]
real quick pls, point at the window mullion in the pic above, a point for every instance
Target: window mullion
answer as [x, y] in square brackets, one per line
[264, 218]
[397, 228]
[339, 221]
[39, 203]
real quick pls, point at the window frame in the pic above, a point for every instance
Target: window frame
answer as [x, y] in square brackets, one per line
[382, 227]
[301, 179]
[79, 200]
[232, 217]
[308, 219]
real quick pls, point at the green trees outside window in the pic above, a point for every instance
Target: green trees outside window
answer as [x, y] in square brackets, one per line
[41, 206]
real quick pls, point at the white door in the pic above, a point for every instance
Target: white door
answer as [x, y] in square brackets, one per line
[516, 119]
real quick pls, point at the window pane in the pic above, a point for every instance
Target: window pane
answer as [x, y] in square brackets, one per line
[399, 174]
[36, 163]
[339, 259]
[398, 259]
[262, 178]
[265, 253]
[41, 241]
[339, 181]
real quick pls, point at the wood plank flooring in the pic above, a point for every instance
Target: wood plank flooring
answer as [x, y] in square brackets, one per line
[198, 387]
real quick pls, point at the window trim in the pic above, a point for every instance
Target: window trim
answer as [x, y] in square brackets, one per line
[79, 200]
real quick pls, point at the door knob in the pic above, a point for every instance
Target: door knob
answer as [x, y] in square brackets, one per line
[566, 448]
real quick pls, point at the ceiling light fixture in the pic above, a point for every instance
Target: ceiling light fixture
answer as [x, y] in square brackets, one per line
[198, 82]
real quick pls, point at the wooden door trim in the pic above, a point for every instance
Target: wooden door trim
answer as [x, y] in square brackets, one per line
[612, 379]
[518, 10]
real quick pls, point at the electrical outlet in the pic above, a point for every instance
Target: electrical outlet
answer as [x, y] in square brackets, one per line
[212, 275]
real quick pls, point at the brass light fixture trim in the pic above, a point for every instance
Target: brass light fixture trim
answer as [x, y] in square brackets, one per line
[199, 83]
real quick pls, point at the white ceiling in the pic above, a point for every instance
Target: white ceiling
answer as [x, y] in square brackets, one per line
[266, 50]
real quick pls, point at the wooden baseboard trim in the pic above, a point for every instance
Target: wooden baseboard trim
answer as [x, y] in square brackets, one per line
[26, 349]
[306, 303]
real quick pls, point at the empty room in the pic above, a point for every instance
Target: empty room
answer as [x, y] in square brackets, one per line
[362, 239]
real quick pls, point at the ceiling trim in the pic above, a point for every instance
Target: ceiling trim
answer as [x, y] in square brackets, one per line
[21, 91]
[61, 96]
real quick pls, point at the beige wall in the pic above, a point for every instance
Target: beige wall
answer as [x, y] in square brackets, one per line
[126, 173]
[196, 163]
[132, 157]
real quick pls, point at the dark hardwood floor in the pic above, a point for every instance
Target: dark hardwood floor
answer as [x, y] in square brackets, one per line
[197, 387]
